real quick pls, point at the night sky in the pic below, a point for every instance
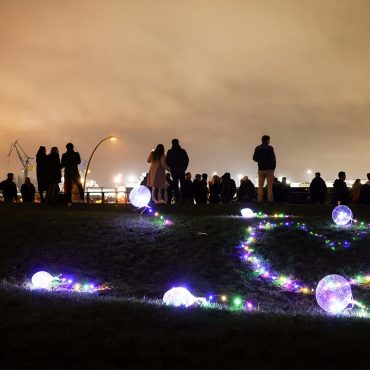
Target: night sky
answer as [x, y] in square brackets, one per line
[215, 74]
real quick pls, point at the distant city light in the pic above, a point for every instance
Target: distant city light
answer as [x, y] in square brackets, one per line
[131, 178]
[118, 179]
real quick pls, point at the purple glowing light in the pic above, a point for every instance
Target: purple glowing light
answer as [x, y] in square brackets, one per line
[249, 306]
[333, 293]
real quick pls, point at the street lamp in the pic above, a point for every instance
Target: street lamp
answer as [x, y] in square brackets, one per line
[112, 138]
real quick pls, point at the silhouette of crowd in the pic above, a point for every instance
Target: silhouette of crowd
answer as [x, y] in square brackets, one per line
[170, 182]
[49, 176]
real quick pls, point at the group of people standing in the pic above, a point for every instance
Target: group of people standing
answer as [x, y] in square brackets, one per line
[165, 187]
[49, 176]
[49, 173]
[177, 184]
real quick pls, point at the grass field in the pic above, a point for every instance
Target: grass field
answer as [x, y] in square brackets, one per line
[142, 258]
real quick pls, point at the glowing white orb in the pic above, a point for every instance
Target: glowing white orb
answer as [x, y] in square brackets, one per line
[42, 280]
[140, 196]
[247, 213]
[342, 215]
[179, 297]
[333, 293]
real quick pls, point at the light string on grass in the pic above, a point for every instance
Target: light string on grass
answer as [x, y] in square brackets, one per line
[63, 283]
[263, 270]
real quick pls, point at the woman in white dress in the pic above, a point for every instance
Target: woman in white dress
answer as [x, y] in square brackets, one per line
[157, 174]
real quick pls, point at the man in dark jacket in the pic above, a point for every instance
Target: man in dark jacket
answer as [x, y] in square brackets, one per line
[228, 188]
[318, 189]
[197, 188]
[265, 156]
[9, 189]
[188, 190]
[70, 162]
[340, 190]
[178, 161]
[246, 192]
[365, 192]
[28, 191]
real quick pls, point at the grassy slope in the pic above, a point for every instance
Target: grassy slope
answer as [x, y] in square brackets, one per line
[141, 258]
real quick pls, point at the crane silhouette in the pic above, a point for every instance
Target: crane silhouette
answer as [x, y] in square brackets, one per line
[23, 157]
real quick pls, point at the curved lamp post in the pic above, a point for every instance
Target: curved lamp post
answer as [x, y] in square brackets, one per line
[113, 138]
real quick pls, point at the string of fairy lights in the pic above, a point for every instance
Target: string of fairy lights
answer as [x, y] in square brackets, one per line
[179, 296]
[265, 272]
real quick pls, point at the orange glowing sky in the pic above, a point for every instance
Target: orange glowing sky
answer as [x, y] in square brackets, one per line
[215, 74]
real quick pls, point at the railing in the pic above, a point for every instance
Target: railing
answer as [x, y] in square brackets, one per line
[105, 195]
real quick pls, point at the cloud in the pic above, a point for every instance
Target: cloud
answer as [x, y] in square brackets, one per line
[216, 74]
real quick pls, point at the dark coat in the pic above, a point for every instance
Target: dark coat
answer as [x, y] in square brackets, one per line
[318, 189]
[246, 192]
[187, 189]
[41, 171]
[197, 187]
[28, 192]
[204, 192]
[53, 172]
[177, 159]
[70, 162]
[265, 156]
[365, 194]
[228, 190]
[340, 192]
[214, 192]
[9, 190]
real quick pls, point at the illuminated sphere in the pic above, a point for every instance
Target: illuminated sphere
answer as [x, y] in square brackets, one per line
[42, 280]
[247, 213]
[140, 196]
[333, 293]
[342, 215]
[179, 297]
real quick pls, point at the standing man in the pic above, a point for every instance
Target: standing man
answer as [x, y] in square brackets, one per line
[70, 161]
[265, 156]
[178, 160]
[28, 191]
[9, 189]
[340, 190]
[318, 189]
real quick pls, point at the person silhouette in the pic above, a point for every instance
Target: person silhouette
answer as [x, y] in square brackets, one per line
[28, 191]
[9, 189]
[53, 175]
[365, 192]
[42, 184]
[318, 189]
[70, 161]
[340, 190]
[178, 161]
[157, 174]
[264, 155]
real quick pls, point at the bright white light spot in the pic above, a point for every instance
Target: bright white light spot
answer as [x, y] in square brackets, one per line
[179, 297]
[140, 196]
[42, 280]
[247, 213]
